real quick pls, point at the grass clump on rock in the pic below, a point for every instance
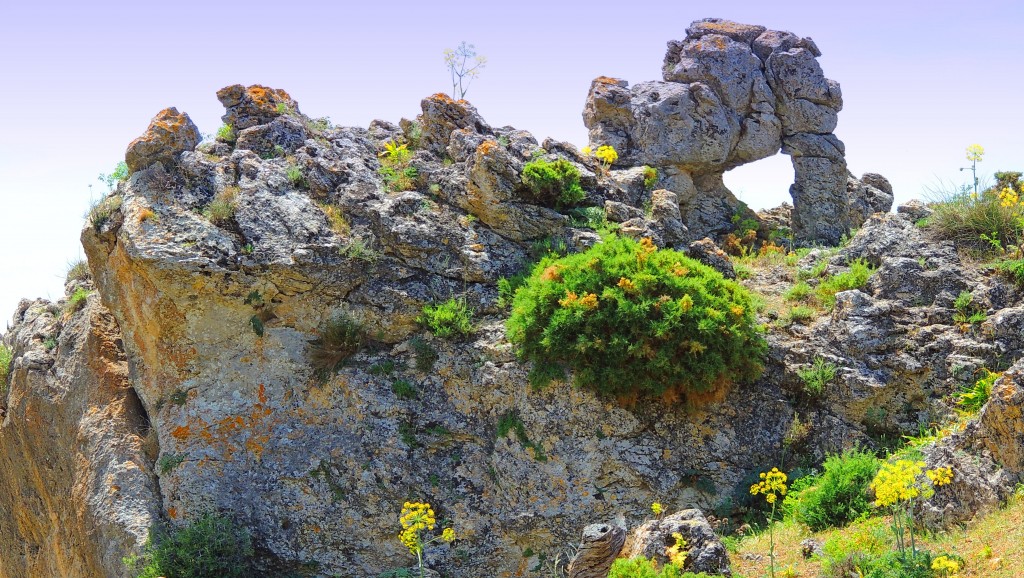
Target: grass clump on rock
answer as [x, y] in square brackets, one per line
[630, 319]
[447, 319]
[339, 338]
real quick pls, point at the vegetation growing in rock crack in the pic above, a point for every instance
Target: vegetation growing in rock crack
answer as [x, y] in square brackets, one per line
[854, 278]
[102, 210]
[425, 354]
[991, 220]
[447, 319]
[337, 339]
[76, 301]
[818, 375]
[211, 545]
[395, 170]
[630, 319]
[650, 177]
[553, 183]
[221, 209]
[5, 366]
[418, 520]
[77, 271]
[226, 134]
[973, 398]
[967, 311]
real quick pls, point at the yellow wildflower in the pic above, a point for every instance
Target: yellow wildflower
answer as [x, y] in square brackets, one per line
[656, 508]
[772, 485]
[975, 152]
[607, 155]
[897, 482]
[448, 535]
[1008, 198]
[586, 151]
[940, 476]
[737, 310]
[626, 285]
[945, 566]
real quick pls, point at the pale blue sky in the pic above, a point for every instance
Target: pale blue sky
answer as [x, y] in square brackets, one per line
[921, 81]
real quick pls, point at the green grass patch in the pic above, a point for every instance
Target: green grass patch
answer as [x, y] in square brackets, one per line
[450, 318]
[854, 278]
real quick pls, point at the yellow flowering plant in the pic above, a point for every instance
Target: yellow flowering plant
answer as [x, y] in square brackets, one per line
[657, 509]
[945, 566]
[417, 518]
[897, 485]
[607, 155]
[772, 486]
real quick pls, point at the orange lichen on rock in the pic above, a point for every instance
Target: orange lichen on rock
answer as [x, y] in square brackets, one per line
[486, 147]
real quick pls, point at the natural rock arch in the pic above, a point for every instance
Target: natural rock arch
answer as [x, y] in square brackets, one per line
[732, 94]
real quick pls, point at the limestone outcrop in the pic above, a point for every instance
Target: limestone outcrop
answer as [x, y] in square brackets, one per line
[185, 384]
[78, 487]
[731, 94]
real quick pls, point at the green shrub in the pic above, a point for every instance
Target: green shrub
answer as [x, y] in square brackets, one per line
[630, 319]
[294, 174]
[854, 278]
[338, 338]
[974, 397]
[817, 376]
[226, 133]
[76, 301]
[641, 567]
[1012, 269]
[210, 546]
[403, 389]
[447, 319]
[967, 311]
[507, 287]
[840, 494]
[120, 174]
[555, 184]
[5, 365]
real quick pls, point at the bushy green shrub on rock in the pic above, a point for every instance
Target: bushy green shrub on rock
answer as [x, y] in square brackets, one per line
[210, 546]
[555, 184]
[631, 319]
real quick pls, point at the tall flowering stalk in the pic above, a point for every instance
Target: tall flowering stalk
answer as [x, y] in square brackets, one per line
[897, 486]
[417, 518]
[772, 486]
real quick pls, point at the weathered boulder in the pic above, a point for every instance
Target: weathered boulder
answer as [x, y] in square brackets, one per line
[867, 199]
[732, 94]
[707, 252]
[253, 105]
[442, 115]
[600, 545]
[1001, 422]
[705, 551]
[914, 210]
[170, 133]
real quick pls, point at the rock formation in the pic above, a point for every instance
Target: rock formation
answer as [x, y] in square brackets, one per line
[184, 385]
[732, 94]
